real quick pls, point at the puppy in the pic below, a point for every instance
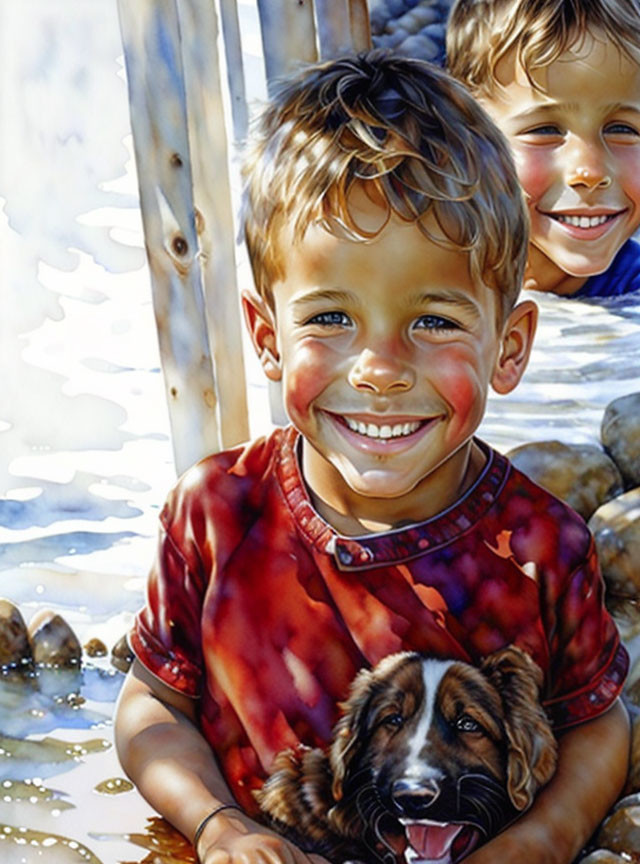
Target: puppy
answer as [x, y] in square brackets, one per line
[429, 759]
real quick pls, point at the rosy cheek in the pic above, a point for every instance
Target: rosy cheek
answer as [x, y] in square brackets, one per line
[460, 383]
[535, 173]
[629, 178]
[308, 371]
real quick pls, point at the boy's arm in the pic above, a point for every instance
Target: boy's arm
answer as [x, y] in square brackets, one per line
[171, 763]
[592, 768]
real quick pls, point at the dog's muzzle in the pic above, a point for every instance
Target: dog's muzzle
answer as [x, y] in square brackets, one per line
[444, 822]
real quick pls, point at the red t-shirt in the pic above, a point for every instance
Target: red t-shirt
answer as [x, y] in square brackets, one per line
[256, 605]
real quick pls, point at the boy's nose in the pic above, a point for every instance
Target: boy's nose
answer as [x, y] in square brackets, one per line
[588, 166]
[377, 373]
[592, 179]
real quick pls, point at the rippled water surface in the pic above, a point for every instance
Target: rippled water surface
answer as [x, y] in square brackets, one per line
[86, 456]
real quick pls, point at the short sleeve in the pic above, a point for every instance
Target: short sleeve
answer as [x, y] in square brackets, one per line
[588, 663]
[166, 636]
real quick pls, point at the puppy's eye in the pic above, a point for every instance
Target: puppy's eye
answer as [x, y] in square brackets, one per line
[466, 723]
[394, 721]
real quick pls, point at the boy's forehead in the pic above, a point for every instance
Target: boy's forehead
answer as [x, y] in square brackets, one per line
[399, 262]
[590, 56]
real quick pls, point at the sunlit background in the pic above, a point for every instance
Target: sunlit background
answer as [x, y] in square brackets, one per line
[84, 436]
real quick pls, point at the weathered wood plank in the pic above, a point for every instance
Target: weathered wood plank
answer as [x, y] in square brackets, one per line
[235, 67]
[334, 28]
[360, 27]
[150, 32]
[288, 36]
[212, 196]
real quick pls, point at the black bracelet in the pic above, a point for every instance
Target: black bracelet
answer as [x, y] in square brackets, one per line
[203, 824]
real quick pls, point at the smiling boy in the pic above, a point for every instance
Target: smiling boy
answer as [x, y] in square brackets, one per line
[387, 235]
[561, 78]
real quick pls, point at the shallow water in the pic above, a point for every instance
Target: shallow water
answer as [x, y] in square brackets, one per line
[84, 432]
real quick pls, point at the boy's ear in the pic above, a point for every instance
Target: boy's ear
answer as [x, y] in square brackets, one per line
[260, 320]
[515, 346]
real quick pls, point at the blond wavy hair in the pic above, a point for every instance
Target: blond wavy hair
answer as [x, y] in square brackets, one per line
[480, 33]
[405, 127]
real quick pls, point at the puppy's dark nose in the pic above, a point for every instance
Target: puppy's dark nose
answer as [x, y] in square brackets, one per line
[413, 797]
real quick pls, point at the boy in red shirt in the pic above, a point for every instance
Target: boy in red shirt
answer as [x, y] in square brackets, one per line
[388, 237]
[561, 79]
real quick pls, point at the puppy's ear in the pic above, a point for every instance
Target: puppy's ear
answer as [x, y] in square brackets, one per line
[350, 731]
[532, 747]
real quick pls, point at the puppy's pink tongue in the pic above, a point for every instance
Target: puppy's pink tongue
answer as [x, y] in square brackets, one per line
[432, 842]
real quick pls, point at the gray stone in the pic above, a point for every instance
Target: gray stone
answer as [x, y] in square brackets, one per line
[620, 434]
[603, 856]
[53, 642]
[626, 612]
[616, 528]
[582, 475]
[121, 655]
[15, 651]
[620, 832]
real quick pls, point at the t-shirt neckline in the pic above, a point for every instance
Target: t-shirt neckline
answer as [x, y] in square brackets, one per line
[399, 544]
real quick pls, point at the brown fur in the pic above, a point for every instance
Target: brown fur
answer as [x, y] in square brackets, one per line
[319, 799]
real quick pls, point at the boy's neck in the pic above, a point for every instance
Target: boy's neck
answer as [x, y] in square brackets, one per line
[352, 514]
[542, 274]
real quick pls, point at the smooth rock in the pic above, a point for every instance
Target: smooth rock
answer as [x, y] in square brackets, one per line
[628, 801]
[582, 475]
[626, 613]
[603, 856]
[620, 832]
[95, 648]
[53, 642]
[121, 655]
[15, 651]
[620, 434]
[616, 528]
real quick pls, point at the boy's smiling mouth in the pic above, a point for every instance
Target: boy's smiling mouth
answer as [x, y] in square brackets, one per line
[382, 431]
[579, 222]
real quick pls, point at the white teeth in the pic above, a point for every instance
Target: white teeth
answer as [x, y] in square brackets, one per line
[582, 221]
[386, 431]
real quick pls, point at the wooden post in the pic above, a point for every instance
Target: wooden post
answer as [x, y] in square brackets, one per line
[215, 225]
[360, 26]
[235, 67]
[288, 36]
[177, 256]
[334, 28]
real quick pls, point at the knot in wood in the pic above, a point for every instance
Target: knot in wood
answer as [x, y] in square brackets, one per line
[180, 245]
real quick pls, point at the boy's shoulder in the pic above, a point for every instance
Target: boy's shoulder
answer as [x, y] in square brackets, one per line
[225, 486]
[621, 277]
[543, 525]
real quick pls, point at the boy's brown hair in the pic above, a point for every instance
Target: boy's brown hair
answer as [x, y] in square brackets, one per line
[410, 134]
[481, 32]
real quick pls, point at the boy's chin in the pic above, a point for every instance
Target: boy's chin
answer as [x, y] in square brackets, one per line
[377, 483]
[579, 266]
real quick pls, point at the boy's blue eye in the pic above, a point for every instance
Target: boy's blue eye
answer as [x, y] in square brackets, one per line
[620, 129]
[330, 319]
[548, 129]
[435, 322]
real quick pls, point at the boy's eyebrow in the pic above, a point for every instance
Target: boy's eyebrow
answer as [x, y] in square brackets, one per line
[546, 108]
[330, 295]
[454, 298]
[550, 107]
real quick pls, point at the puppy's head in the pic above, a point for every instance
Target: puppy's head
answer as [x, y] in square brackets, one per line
[451, 751]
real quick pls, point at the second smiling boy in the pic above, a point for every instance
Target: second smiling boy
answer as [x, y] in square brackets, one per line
[561, 78]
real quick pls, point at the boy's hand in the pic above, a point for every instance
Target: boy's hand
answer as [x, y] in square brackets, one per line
[233, 838]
